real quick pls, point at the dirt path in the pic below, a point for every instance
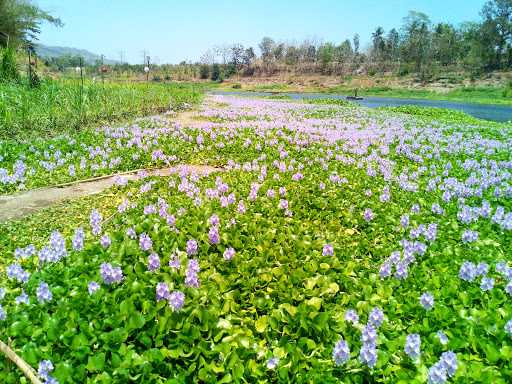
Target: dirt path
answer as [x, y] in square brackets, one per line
[22, 204]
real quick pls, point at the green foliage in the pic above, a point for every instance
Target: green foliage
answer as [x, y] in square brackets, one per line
[20, 21]
[204, 71]
[8, 66]
[55, 106]
[329, 101]
[434, 113]
[216, 74]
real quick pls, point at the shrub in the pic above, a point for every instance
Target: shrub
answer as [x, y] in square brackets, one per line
[8, 67]
[204, 71]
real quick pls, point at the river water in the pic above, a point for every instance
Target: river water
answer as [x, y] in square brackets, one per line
[482, 111]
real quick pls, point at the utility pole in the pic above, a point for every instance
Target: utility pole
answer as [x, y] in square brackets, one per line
[102, 69]
[146, 69]
[29, 68]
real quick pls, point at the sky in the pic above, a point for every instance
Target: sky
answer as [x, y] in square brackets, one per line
[171, 31]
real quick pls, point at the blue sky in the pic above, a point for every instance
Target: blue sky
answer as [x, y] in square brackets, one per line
[172, 31]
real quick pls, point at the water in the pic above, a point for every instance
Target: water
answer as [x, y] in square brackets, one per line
[490, 112]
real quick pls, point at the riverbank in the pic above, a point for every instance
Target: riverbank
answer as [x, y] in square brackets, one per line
[496, 92]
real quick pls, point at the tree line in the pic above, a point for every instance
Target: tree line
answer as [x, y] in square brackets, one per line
[417, 46]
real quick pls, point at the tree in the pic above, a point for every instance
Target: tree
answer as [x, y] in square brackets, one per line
[204, 71]
[267, 48]
[216, 74]
[356, 44]
[416, 41]
[497, 27]
[445, 44]
[20, 21]
[378, 43]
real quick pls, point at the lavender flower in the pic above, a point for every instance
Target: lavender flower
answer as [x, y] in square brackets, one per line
[110, 274]
[130, 232]
[508, 327]
[376, 317]
[427, 301]
[328, 250]
[105, 241]
[368, 355]
[153, 262]
[43, 293]
[341, 352]
[213, 236]
[92, 287]
[469, 236]
[145, 242]
[369, 335]
[2, 293]
[191, 247]
[3, 315]
[272, 362]
[412, 346]
[404, 221]
[22, 298]
[351, 316]
[191, 279]
[487, 284]
[44, 369]
[467, 271]
[482, 269]
[176, 300]
[174, 262]
[229, 253]
[443, 339]
[78, 239]
[368, 214]
[162, 291]
[437, 374]
[449, 362]
[95, 221]
[16, 272]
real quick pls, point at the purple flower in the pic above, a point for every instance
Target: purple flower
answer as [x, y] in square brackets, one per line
[437, 374]
[229, 253]
[427, 301]
[508, 288]
[176, 300]
[92, 287]
[469, 236]
[16, 272]
[110, 274]
[105, 241]
[174, 262]
[508, 327]
[412, 346]
[78, 239]
[213, 236]
[283, 204]
[272, 362]
[43, 293]
[328, 250]
[369, 334]
[162, 291]
[341, 352]
[3, 315]
[44, 369]
[385, 270]
[351, 316]
[368, 355]
[376, 317]
[191, 247]
[368, 214]
[449, 361]
[482, 269]
[22, 298]
[130, 232]
[95, 221]
[443, 339]
[467, 271]
[404, 221]
[214, 220]
[487, 284]
[191, 279]
[153, 262]
[145, 242]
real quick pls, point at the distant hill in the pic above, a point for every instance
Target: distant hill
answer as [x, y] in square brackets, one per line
[46, 51]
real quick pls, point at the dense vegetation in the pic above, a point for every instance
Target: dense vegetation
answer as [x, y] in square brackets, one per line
[339, 244]
[55, 107]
